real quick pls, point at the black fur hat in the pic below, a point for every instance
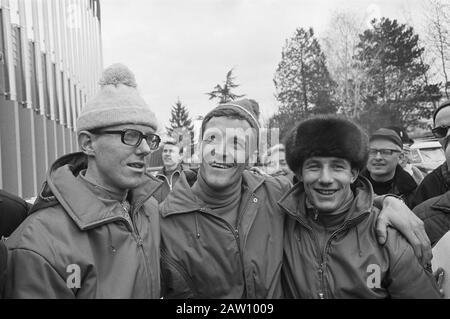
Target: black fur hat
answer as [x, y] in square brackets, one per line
[327, 135]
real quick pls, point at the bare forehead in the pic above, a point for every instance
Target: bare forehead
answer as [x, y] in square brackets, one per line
[326, 160]
[443, 117]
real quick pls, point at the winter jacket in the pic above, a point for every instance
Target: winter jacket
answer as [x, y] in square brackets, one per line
[168, 183]
[434, 184]
[352, 263]
[74, 245]
[13, 211]
[203, 256]
[435, 214]
[403, 184]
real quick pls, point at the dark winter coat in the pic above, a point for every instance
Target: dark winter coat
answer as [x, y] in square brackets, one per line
[434, 184]
[403, 184]
[13, 211]
[203, 256]
[168, 182]
[435, 214]
[352, 261]
[71, 234]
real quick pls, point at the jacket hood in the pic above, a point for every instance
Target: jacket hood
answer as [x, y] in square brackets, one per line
[62, 187]
[183, 200]
[362, 203]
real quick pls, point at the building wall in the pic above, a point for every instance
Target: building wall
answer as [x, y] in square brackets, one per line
[50, 62]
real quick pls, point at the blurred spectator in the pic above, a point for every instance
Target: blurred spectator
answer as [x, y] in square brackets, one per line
[172, 156]
[438, 181]
[13, 211]
[383, 169]
[275, 162]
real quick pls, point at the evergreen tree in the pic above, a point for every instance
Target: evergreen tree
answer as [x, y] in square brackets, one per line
[223, 93]
[396, 91]
[180, 124]
[302, 81]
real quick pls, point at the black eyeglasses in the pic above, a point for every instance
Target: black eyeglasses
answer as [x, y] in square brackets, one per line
[383, 152]
[440, 131]
[134, 137]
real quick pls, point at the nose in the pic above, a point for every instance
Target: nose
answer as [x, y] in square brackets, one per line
[143, 148]
[325, 176]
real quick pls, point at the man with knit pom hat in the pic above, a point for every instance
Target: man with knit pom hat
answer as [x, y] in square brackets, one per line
[222, 229]
[94, 229]
[330, 245]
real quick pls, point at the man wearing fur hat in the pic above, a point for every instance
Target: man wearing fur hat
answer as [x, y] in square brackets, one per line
[94, 229]
[330, 245]
[222, 230]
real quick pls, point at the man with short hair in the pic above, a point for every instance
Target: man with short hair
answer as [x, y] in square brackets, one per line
[383, 169]
[169, 174]
[330, 245]
[275, 162]
[94, 229]
[222, 229]
[437, 182]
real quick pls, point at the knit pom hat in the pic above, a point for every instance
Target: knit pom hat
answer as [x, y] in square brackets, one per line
[328, 136]
[246, 108]
[117, 102]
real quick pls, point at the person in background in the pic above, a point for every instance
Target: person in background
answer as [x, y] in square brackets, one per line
[330, 244]
[275, 162]
[383, 169]
[172, 156]
[13, 211]
[94, 230]
[438, 181]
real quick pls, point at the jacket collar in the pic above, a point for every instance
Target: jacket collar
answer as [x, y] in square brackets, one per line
[293, 202]
[162, 171]
[182, 199]
[442, 203]
[63, 184]
[403, 183]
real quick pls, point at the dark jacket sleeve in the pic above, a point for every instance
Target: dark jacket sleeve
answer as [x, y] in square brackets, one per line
[408, 279]
[436, 222]
[13, 211]
[432, 185]
[29, 275]
[174, 281]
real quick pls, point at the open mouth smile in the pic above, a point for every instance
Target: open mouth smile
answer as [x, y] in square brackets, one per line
[222, 165]
[137, 165]
[326, 192]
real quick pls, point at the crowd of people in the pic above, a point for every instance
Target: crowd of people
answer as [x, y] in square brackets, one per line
[334, 213]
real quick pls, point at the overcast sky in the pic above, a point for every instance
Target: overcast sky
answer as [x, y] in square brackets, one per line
[183, 48]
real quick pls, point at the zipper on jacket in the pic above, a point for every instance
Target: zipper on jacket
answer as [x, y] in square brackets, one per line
[140, 244]
[235, 232]
[322, 294]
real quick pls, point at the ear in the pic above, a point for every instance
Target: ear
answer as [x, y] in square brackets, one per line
[355, 173]
[85, 142]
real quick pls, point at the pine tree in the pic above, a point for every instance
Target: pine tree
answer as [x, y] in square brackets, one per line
[302, 81]
[180, 123]
[223, 93]
[396, 91]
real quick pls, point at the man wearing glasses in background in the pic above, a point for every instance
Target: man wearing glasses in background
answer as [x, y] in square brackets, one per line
[438, 181]
[383, 169]
[94, 229]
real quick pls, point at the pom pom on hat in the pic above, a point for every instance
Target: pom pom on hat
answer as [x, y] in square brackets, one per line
[327, 136]
[117, 102]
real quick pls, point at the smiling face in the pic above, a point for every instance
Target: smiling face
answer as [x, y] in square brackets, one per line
[225, 151]
[327, 182]
[382, 167]
[115, 165]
